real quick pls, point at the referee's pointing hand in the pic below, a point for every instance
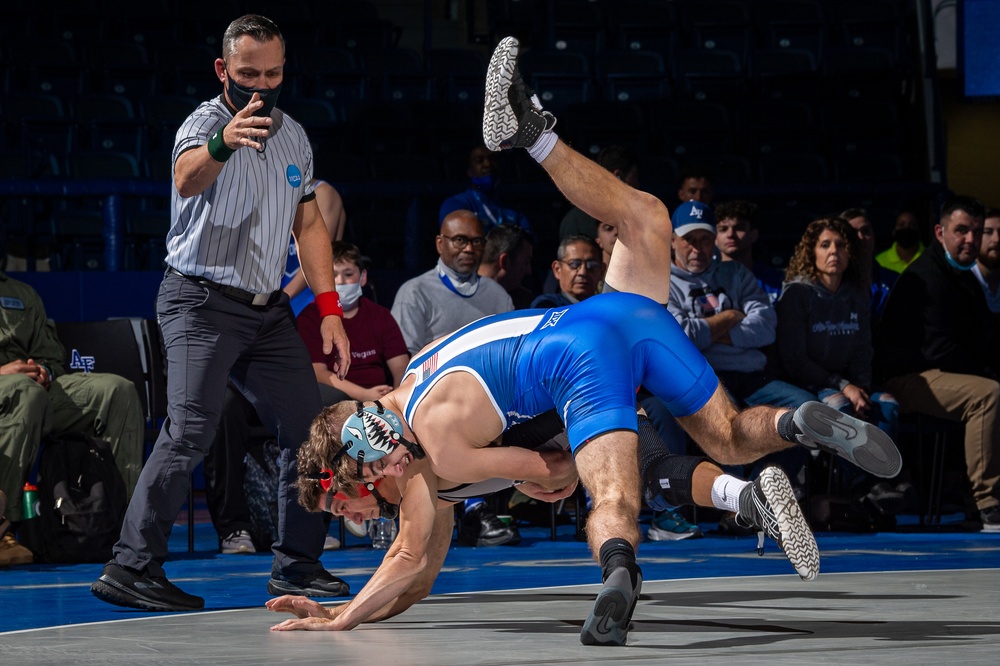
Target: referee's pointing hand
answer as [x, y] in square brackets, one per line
[246, 129]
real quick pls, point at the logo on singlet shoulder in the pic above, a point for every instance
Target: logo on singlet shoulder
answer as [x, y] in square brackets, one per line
[293, 175]
[554, 318]
[429, 367]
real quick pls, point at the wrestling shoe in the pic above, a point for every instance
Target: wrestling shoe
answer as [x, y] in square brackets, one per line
[611, 615]
[320, 584]
[126, 587]
[670, 525]
[863, 444]
[512, 115]
[768, 505]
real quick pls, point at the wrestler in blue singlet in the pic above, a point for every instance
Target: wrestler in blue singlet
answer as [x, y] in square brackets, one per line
[586, 361]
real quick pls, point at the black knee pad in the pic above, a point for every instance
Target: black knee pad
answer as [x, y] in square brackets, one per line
[666, 478]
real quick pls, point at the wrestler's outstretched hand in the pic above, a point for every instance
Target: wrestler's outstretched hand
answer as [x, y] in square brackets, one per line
[311, 615]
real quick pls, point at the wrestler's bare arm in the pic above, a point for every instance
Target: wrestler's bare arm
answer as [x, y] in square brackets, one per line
[457, 423]
[402, 571]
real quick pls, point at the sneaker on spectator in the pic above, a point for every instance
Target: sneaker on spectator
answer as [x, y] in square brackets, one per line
[359, 530]
[670, 525]
[11, 552]
[481, 527]
[886, 499]
[991, 519]
[237, 543]
[331, 543]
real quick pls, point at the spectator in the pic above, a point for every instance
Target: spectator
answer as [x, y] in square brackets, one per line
[38, 399]
[932, 347]
[906, 244]
[481, 195]
[876, 279]
[987, 268]
[825, 335]
[507, 260]
[695, 185]
[622, 163]
[441, 301]
[736, 234]
[578, 270]
[452, 294]
[729, 318]
[378, 358]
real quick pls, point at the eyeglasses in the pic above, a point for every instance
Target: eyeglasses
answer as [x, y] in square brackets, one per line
[460, 242]
[575, 264]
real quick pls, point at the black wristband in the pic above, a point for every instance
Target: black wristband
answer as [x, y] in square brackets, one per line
[218, 149]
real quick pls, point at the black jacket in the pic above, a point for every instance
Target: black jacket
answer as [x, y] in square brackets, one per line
[936, 317]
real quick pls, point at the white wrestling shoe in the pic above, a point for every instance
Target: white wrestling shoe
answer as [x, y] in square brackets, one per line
[512, 115]
[611, 615]
[768, 505]
[863, 444]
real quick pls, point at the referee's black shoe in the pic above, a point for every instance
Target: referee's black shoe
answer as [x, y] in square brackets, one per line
[319, 584]
[122, 586]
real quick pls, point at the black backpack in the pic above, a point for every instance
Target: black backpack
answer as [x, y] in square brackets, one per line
[82, 500]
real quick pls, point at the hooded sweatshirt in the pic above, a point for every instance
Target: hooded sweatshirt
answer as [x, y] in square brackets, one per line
[824, 337]
[727, 285]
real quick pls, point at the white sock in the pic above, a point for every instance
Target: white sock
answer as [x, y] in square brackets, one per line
[726, 493]
[546, 142]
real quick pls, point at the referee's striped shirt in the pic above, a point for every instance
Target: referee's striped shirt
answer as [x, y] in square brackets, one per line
[236, 231]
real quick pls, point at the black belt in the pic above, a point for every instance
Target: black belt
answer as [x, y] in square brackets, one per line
[235, 293]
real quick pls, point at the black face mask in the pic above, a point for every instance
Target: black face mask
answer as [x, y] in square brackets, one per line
[240, 96]
[906, 237]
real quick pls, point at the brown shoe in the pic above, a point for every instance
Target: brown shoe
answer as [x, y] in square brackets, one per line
[11, 552]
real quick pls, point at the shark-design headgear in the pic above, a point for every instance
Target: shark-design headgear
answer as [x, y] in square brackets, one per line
[371, 433]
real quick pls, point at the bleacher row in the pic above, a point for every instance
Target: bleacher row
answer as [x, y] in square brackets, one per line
[773, 94]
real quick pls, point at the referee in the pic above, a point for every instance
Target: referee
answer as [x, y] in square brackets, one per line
[243, 180]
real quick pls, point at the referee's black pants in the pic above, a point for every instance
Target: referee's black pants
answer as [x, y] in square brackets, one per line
[211, 339]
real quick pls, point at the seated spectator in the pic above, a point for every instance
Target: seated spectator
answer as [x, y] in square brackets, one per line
[577, 269]
[619, 161]
[987, 268]
[507, 260]
[932, 348]
[906, 244]
[876, 279]
[729, 318]
[481, 196]
[695, 184]
[824, 330]
[378, 359]
[441, 301]
[735, 236]
[452, 294]
[39, 399]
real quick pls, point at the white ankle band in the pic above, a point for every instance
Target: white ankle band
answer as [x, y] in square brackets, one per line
[546, 142]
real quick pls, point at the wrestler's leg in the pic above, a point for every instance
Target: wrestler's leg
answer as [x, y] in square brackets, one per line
[641, 259]
[609, 470]
[732, 437]
[767, 504]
